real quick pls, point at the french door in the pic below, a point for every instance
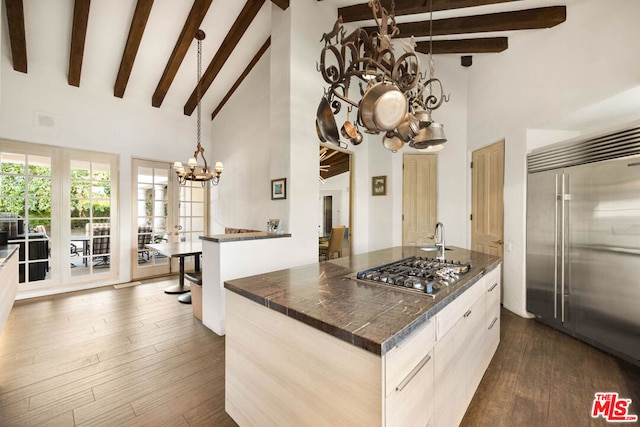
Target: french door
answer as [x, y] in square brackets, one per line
[59, 206]
[164, 212]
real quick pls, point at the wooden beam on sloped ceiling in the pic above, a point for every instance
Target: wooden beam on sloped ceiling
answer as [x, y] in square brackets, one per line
[335, 162]
[242, 22]
[78, 37]
[244, 74]
[481, 45]
[136, 30]
[17, 35]
[191, 26]
[529, 19]
[361, 12]
[282, 4]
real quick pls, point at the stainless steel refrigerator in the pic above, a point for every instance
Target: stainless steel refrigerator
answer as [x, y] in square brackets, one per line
[583, 240]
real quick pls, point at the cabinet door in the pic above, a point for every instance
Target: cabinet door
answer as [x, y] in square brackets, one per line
[493, 316]
[474, 334]
[450, 377]
[402, 360]
[411, 402]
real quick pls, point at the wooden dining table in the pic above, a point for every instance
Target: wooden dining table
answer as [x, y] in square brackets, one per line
[180, 250]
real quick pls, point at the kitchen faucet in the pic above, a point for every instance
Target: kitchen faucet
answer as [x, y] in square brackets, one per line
[439, 238]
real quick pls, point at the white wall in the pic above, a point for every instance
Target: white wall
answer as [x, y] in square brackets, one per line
[241, 131]
[543, 76]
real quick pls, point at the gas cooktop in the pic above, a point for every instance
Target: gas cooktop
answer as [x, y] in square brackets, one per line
[424, 275]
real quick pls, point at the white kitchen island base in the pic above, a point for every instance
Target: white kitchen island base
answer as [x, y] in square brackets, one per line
[283, 371]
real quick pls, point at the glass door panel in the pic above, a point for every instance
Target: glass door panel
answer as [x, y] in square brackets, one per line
[25, 211]
[152, 194]
[90, 218]
[165, 212]
[192, 211]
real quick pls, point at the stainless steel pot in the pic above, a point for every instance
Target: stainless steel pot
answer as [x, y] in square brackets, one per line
[431, 135]
[424, 118]
[383, 107]
[408, 128]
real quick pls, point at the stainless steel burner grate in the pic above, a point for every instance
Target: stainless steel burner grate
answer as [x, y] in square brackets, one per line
[425, 275]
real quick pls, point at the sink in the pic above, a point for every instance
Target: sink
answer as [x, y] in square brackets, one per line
[434, 248]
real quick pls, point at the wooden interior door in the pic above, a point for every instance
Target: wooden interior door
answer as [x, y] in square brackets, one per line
[419, 199]
[487, 210]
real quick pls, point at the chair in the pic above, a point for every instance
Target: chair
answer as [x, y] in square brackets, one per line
[144, 237]
[334, 244]
[101, 244]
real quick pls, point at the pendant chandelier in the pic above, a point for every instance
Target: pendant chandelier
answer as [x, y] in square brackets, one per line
[396, 98]
[193, 171]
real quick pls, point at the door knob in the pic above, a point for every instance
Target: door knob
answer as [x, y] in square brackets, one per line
[498, 242]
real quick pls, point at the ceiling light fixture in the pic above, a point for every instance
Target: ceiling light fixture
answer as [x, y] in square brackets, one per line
[193, 172]
[396, 98]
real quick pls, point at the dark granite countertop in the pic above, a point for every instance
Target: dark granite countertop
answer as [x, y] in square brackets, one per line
[375, 317]
[6, 252]
[235, 237]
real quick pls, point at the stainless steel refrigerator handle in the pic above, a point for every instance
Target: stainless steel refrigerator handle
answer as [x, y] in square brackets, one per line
[555, 257]
[562, 248]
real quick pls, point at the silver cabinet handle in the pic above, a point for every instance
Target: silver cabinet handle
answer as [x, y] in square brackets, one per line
[555, 256]
[562, 247]
[493, 322]
[468, 313]
[413, 373]
[493, 287]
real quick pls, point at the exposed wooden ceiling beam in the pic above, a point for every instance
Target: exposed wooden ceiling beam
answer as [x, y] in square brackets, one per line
[78, 37]
[249, 11]
[482, 45]
[244, 74]
[17, 37]
[282, 4]
[529, 19]
[337, 162]
[361, 12]
[191, 25]
[138, 24]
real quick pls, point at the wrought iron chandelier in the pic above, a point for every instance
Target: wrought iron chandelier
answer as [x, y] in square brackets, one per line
[194, 172]
[396, 98]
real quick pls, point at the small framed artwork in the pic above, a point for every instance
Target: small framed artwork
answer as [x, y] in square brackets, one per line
[379, 185]
[279, 189]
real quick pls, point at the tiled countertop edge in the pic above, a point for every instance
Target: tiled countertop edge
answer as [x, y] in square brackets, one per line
[235, 237]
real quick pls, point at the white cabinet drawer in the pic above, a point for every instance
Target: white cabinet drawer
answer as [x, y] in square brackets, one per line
[455, 310]
[402, 359]
[412, 403]
[493, 286]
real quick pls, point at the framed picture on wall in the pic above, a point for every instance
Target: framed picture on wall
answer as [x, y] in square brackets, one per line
[279, 189]
[379, 185]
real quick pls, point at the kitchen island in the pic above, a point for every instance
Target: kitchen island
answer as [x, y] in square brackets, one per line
[314, 346]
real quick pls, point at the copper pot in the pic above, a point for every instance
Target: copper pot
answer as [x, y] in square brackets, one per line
[383, 107]
[348, 130]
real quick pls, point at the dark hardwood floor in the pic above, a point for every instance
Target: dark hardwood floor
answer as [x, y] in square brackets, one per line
[135, 356]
